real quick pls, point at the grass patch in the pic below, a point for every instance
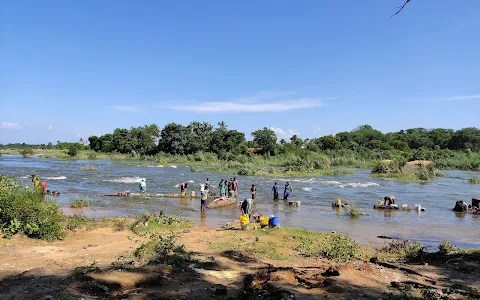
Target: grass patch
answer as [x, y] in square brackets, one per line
[401, 250]
[474, 180]
[121, 224]
[151, 223]
[399, 170]
[162, 249]
[352, 210]
[282, 243]
[89, 168]
[79, 203]
[84, 270]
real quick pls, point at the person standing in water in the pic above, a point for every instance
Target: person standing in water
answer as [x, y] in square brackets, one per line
[235, 187]
[287, 191]
[142, 186]
[183, 189]
[221, 185]
[207, 186]
[253, 189]
[203, 200]
[275, 191]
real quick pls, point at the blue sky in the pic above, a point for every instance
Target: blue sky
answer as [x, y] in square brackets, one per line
[71, 69]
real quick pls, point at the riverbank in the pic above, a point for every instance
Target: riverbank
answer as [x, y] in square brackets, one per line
[136, 259]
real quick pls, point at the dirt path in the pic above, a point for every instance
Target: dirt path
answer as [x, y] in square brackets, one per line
[40, 270]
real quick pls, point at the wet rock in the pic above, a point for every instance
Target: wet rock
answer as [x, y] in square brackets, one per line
[331, 272]
[220, 289]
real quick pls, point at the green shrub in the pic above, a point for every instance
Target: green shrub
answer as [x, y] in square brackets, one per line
[28, 212]
[404, 250]
[352, 210]
[446, 247]
[26, 152]
[84, 270]
[474, 180]
[78, 203]
[163, 250]
[329, 245]
[72, 151]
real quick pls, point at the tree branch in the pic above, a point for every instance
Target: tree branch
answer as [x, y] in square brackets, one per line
[400, 8]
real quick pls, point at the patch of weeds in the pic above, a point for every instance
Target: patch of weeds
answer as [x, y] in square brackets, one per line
[474, 180]
[163, 250]
[403, 250]
[79, 221]
[445, 247]
[120, 224]
[89, 168]
[150, 223]
[84, 270]
[79, 203]
[352, 210]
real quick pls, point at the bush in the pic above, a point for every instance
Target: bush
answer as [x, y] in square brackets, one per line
[352, 210]
[474, 180]
[72, 151]
[26, 211]
[446, 247]
[78, 203]
[26, 152]
[163, 250]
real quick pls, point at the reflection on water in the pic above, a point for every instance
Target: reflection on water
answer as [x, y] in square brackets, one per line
[316, 194]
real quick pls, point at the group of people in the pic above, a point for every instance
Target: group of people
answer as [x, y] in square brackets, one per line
[286, 192]
[42, 186]
[228, 188]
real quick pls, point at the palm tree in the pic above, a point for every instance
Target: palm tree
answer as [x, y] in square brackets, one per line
[222, 125]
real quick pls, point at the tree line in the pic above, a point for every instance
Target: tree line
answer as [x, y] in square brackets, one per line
[202, 136]
[224, 142]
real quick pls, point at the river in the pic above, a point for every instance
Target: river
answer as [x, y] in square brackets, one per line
[316, 194]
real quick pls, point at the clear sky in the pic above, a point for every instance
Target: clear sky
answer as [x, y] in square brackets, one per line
[71, 69]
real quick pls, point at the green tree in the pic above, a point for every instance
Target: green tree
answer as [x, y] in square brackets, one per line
[266, 139]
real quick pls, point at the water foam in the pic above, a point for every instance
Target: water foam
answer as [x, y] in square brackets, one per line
[307, 189]
[55, 178]
[173, 167]
[25, 176]
[350, 184]
[126, 179]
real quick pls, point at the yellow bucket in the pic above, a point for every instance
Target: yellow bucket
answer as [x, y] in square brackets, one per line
[339, 202]
[245, 219]
[264, 221]
[184, 193]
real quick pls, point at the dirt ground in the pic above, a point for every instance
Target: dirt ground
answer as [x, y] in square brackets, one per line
[32, 269]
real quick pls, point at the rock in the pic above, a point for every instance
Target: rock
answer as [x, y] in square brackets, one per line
[220, 289]
[186, 231]
[48, 297]
[331, 272]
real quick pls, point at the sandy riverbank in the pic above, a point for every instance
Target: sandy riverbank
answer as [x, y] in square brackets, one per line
[31, 269]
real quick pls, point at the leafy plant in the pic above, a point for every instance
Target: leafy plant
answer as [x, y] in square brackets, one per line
[84, 270]
[474, 180]
[79, 203]
[26, 211]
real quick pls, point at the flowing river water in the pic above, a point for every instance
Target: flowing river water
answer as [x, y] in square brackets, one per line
[316, 194]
